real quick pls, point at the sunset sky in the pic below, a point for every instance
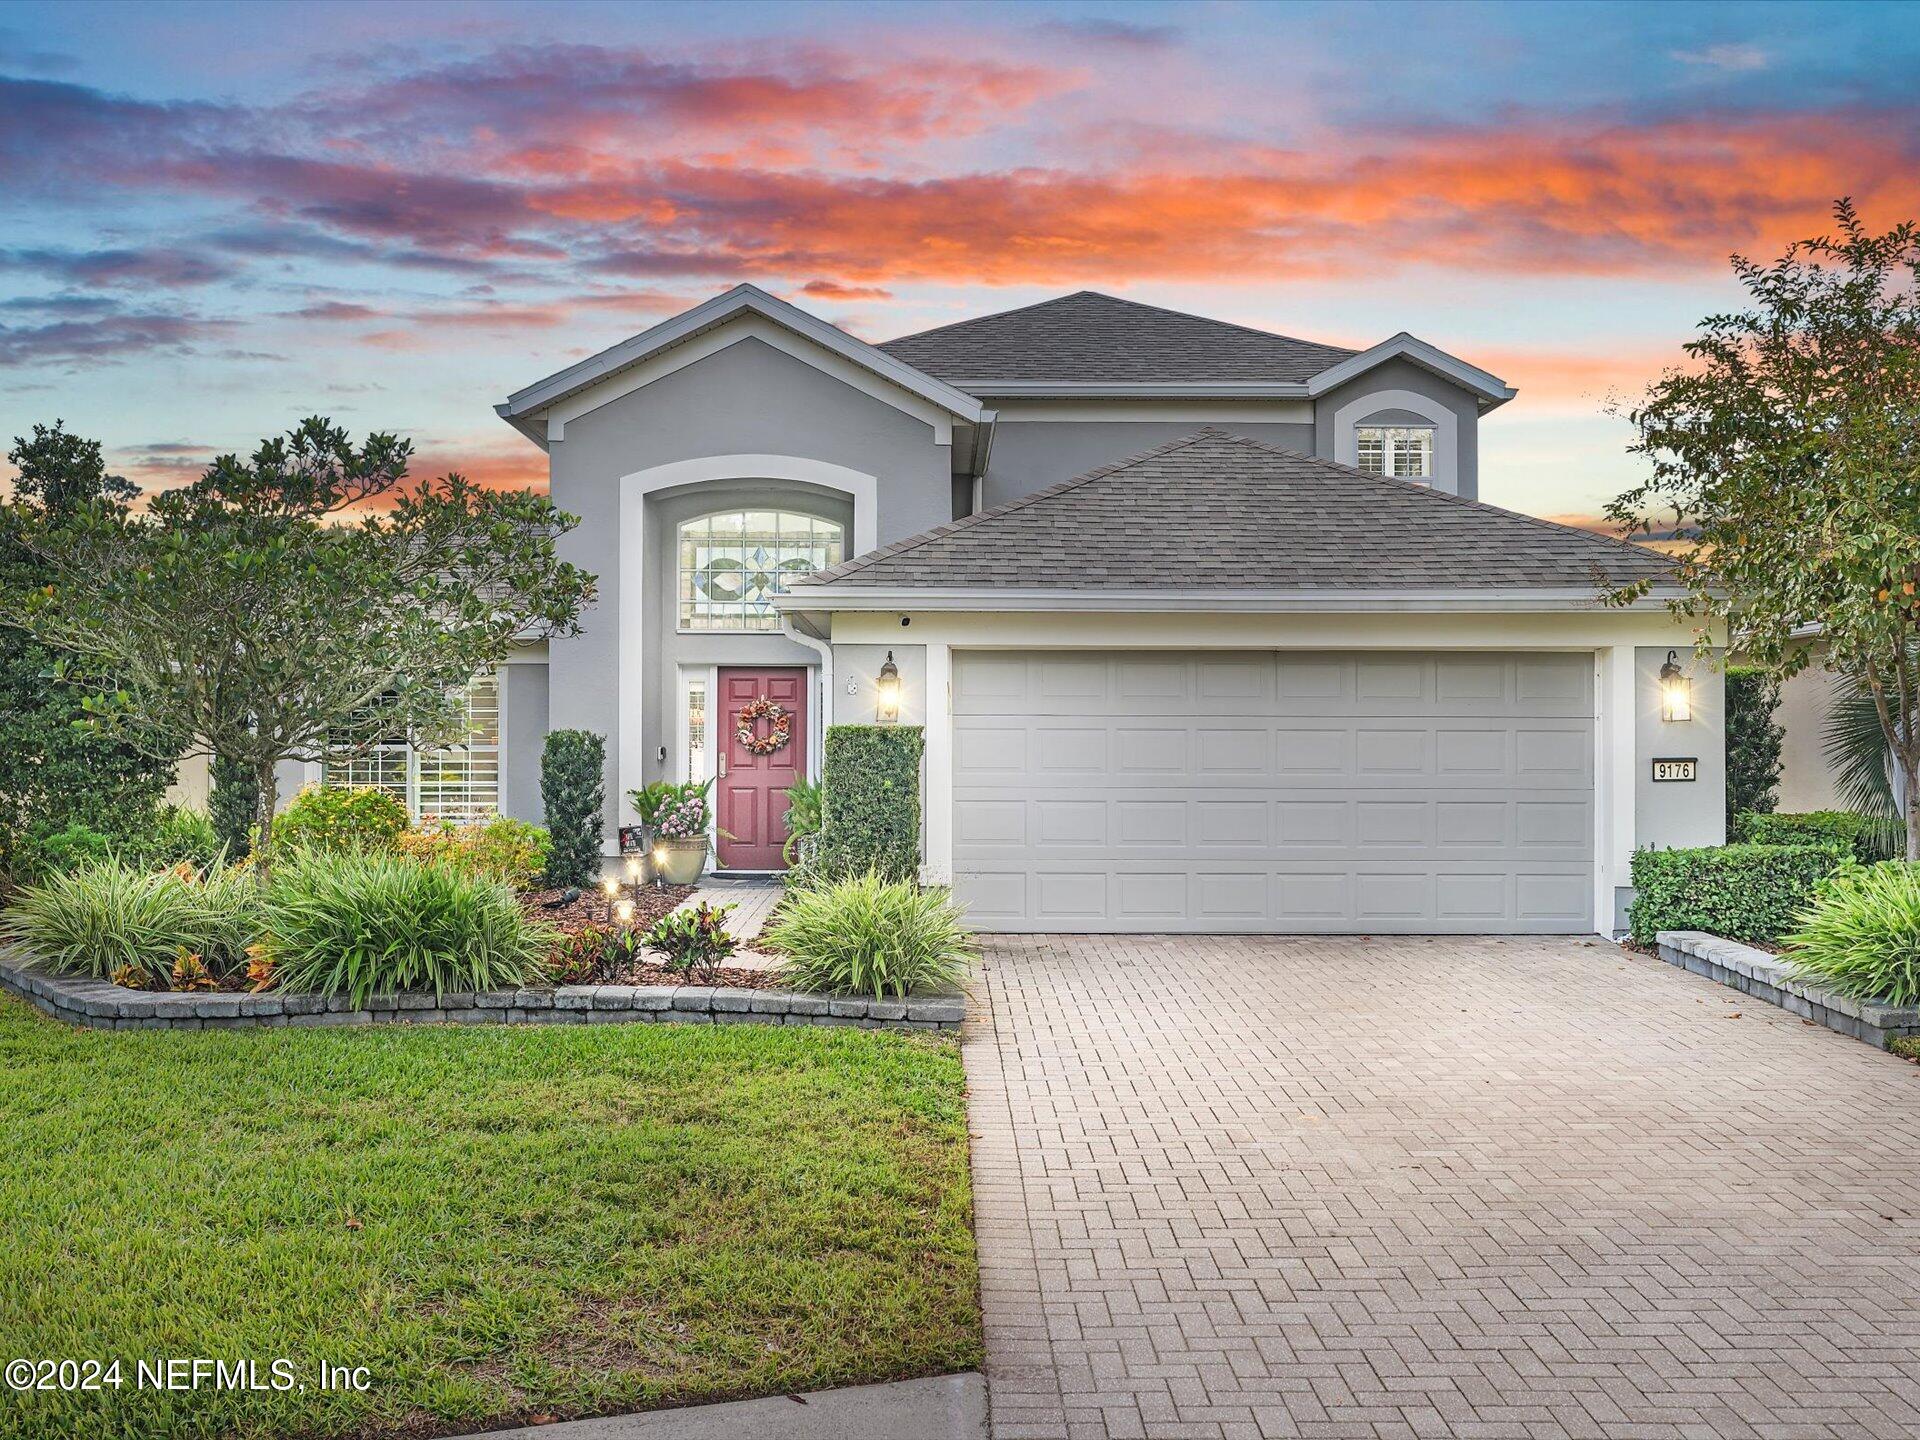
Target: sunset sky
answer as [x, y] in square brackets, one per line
[217, 219]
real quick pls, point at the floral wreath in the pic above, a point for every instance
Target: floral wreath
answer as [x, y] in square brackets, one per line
[751, 714]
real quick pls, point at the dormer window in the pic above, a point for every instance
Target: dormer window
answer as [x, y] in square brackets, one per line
[1402, 451]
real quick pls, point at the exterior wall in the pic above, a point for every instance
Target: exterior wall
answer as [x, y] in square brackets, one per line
[523, 716]
[1806, 782]
[192, 782]
[748, 398]
[856, 669]
[1400, 392]
[1037, 444]
[1628, 732]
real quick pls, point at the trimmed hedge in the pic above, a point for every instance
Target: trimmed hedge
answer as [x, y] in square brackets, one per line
[871, 811]
[573, 790]
[1739, 892]
[1869, 839]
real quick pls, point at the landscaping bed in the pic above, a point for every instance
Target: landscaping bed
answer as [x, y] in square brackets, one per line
[588, 910]
[503, 1226]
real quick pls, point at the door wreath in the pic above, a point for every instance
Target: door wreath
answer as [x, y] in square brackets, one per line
[747, 730]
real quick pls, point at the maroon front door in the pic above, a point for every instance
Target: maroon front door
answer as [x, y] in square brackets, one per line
[751, 803]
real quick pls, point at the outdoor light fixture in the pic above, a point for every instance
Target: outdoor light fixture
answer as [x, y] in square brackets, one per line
[1676, 690]
[889, 709]
[623, 912]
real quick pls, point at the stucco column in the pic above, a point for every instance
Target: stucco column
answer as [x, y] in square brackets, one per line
[1615, 726]
[937, 867]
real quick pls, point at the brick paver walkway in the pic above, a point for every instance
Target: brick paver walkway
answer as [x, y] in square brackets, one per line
[1476, 1188]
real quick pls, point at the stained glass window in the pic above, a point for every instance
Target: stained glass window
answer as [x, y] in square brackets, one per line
[733, 564]
[697, 729]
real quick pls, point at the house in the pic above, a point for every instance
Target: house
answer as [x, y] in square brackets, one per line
[1206, 625]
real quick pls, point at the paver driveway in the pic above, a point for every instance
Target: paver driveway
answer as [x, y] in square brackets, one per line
[1480, 1187]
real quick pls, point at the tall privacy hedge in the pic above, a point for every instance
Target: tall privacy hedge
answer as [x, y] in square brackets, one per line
[1753, 741]
[1739, 892]
[1868, 837]
[871, 811]
[573, 790]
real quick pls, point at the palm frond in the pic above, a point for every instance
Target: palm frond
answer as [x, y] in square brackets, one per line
[1856, 751]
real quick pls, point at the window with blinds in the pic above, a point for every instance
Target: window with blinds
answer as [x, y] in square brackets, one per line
[1402, 451]
[459, 782]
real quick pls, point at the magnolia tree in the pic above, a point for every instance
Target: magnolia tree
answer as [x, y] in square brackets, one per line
[1787, 456]
[307, 603]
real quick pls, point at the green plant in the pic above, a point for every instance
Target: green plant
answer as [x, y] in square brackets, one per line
[61, 852]
[871, 812]
[1861, 937]
[233, 805]
[339, 817]
[573, 789]
[694, 939]
[868, 935]
[1854, 745]
[1868, 837]
[1907, 1047]
[683, 811]
[1741, 892]
[110, 917]
[513, 852]
[650, 801]
[359, 924]
[307, 601]
[804, 801]
[1753, 740]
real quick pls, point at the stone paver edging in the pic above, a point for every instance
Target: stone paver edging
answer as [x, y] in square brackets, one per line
[101, 1005]
[1769, 977]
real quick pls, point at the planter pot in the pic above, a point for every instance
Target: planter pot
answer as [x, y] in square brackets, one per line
[684, 861]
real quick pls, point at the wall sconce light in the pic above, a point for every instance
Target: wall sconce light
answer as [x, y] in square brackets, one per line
[889, 709]
[1676, 690]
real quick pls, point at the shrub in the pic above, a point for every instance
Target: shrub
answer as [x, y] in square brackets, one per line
[1867, 836]
[871, 814]
[233, 805]
[695, 940]
[360, 924]
[1753, 741]
[804, 800]
[160, 839]
[340, 817]
[1741, 892]
[870, 936]
[513, 852]
[178, 836]
[112, 918]
[63, 851]
[573, 790]
[1861, 938]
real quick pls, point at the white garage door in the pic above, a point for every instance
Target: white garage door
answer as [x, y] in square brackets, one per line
[1280, 792]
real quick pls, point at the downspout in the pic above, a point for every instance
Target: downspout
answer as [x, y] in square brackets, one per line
[817, 744]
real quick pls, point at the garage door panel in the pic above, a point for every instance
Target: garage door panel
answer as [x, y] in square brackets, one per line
[1317, 792]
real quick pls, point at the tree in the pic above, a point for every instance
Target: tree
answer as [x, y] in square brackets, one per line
[1787, 454]
[55, 771]
[1753, 742]
[300, 605]
[573, 791]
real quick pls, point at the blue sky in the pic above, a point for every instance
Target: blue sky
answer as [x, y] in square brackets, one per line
[216, 219]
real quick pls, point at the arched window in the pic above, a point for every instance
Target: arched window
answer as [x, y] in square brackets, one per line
[733, 563]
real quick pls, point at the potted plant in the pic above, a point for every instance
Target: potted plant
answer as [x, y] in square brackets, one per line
[649, 804]
[680, 833]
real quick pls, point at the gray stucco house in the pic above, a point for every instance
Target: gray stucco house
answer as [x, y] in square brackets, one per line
[1206, 626]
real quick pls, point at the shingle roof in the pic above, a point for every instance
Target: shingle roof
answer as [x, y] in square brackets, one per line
[1088, 338]
[1217, 511]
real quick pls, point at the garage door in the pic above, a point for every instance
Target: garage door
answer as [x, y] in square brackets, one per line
[1282, 792]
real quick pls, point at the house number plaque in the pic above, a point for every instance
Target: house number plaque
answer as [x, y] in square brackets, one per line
[1686, 769]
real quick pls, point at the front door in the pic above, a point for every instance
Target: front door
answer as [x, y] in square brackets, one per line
[751, 801]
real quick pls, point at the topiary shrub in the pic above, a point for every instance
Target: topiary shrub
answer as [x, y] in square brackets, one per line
[113, 920]
[1868, 837]
[340, 817]
[1740, 892]
[869, 936]
[870, 811]
[1861, 938]
[513, 852]
[361, 924]
[1753, 741]
[573, 789]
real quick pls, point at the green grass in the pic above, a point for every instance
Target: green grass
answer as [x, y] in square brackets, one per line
[1907, 1047]
[500, 1223]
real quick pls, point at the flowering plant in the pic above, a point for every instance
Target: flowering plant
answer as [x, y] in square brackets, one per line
[683, 813]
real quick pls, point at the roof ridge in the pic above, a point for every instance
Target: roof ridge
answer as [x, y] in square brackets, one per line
[967, 522]
[1447, 495]
[1122, 300]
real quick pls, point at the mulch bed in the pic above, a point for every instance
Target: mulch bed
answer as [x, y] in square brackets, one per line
[590, 907]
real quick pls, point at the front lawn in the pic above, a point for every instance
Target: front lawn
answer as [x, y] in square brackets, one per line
[499, 1223]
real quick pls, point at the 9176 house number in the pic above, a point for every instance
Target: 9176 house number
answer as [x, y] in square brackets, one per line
[1687, 769]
